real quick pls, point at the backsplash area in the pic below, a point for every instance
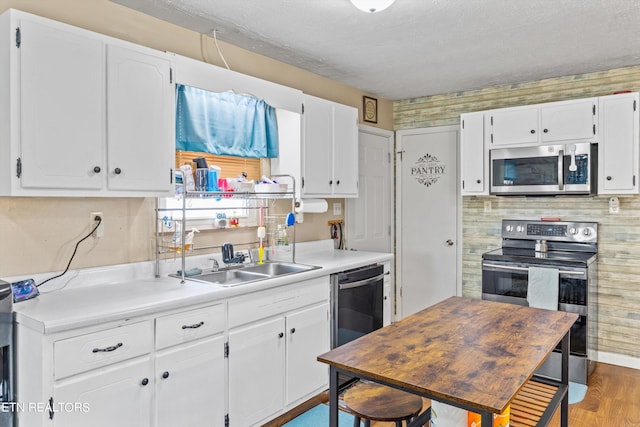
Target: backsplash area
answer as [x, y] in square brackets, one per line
[619, 248]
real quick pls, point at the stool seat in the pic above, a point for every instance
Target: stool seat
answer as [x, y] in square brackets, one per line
[377, 402]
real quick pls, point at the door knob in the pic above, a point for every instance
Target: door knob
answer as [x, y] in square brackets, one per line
[450, 242]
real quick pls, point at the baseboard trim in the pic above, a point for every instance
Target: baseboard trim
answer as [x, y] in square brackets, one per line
[618, 359]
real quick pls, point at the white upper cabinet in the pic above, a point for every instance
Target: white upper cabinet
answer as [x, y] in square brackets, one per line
[62, 107]
[82, 114]
[140, 120]
[618, 150]
[553, 122]
[474, 159]
[512, 126]
[330, 149]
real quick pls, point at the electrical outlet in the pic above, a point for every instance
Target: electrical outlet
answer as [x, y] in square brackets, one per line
[93, 222]
[487, 205]
[614, 205]
[337, 208]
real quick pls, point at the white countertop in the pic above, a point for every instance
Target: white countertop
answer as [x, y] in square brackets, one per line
[122, 292]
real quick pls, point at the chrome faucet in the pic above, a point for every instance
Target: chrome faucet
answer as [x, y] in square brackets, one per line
[216, 266]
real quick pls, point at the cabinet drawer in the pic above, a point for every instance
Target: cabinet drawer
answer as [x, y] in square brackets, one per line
[268, 303]
[91, 351]
[189, 325]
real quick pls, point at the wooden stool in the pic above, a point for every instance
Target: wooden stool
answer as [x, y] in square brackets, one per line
[372, 401]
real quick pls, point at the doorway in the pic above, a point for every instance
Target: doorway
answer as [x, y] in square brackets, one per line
[369, 217]
[427, 217]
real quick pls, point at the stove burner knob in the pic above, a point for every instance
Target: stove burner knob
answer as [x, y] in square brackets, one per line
[586, 232]
[509, 228]
[573, 230]
[520, 228]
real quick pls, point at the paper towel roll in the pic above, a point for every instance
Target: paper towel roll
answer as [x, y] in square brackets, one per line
[312, 205]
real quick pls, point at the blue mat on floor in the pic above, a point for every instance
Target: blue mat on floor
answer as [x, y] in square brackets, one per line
[576, 392]
[318, 416]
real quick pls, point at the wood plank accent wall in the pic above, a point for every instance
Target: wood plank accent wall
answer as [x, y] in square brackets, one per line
[619, 234]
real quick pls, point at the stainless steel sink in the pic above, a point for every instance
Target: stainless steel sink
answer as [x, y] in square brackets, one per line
[279, 268]
[230, 277]
[252, 273]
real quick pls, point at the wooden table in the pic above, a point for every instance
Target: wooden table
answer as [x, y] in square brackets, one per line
[469, 353]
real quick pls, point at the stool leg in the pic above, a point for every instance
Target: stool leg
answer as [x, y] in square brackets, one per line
[398, 423]
[356, 421]
[367, 423]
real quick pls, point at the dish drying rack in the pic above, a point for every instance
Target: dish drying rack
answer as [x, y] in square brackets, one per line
[279, 240]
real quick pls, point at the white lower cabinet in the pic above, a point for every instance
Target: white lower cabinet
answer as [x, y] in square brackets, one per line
[117, 396]
[275, 337]
[116, 376]
[256, 371]
[190, 385]
[238, 362]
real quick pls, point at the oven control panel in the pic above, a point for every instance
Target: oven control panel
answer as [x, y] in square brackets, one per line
[564, 231]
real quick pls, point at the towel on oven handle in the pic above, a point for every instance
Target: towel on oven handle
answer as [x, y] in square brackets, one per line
[542, 290]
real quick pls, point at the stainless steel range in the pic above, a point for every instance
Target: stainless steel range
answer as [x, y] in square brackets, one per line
[7, 389]
[568, 249]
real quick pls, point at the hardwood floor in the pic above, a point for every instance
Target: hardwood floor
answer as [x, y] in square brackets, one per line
[613, 399]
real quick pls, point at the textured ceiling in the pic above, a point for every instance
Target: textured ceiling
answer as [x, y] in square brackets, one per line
[421, 47]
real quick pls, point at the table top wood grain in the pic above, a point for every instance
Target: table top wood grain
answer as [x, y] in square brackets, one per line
[472, 352]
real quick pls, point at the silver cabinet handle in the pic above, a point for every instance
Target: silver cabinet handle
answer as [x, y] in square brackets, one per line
[450, 242]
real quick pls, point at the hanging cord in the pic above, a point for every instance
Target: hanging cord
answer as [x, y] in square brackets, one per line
[215, 40]
[341, 244]
[99, 219]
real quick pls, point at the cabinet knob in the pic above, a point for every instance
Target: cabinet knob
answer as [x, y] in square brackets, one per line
[545, 130]
[609, 178]
[281, 334]
[478, 181]
[331, 182]
[338, 182]
[165, 375]
[97, 169]
[117, 171]
[533, 131]
[293, 330]
[144, 381]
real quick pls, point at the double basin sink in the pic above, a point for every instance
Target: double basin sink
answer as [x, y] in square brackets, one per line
[251, 273]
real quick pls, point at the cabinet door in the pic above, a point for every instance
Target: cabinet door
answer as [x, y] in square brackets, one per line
[307, 338]
[512, 126]
[317, 146]
[472, 154]
[345, 151]
[190, 387]
[571, 120]
[140, 124]
[256, 371]
[117, 396]
[618, 149]
[61, 108]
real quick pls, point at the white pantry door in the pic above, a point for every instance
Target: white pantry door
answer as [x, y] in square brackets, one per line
[369, 217]
[426, 217]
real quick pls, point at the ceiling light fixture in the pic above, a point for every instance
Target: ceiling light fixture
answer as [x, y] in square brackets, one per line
[372, 6]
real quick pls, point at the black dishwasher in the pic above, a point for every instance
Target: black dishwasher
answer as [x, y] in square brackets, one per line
[357, 303]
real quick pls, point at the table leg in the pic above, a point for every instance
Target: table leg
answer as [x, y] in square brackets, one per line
[487, 418]
[333, 397]
[564, 405]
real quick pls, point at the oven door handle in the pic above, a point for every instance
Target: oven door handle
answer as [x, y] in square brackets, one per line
[359, 283]
[508, 267]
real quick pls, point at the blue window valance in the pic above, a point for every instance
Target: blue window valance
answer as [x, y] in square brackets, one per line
[225, 124]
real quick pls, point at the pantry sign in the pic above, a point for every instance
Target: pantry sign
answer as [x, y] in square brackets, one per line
[427, 170]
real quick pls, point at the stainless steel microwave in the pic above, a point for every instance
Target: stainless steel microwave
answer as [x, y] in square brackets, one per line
[544, 170]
